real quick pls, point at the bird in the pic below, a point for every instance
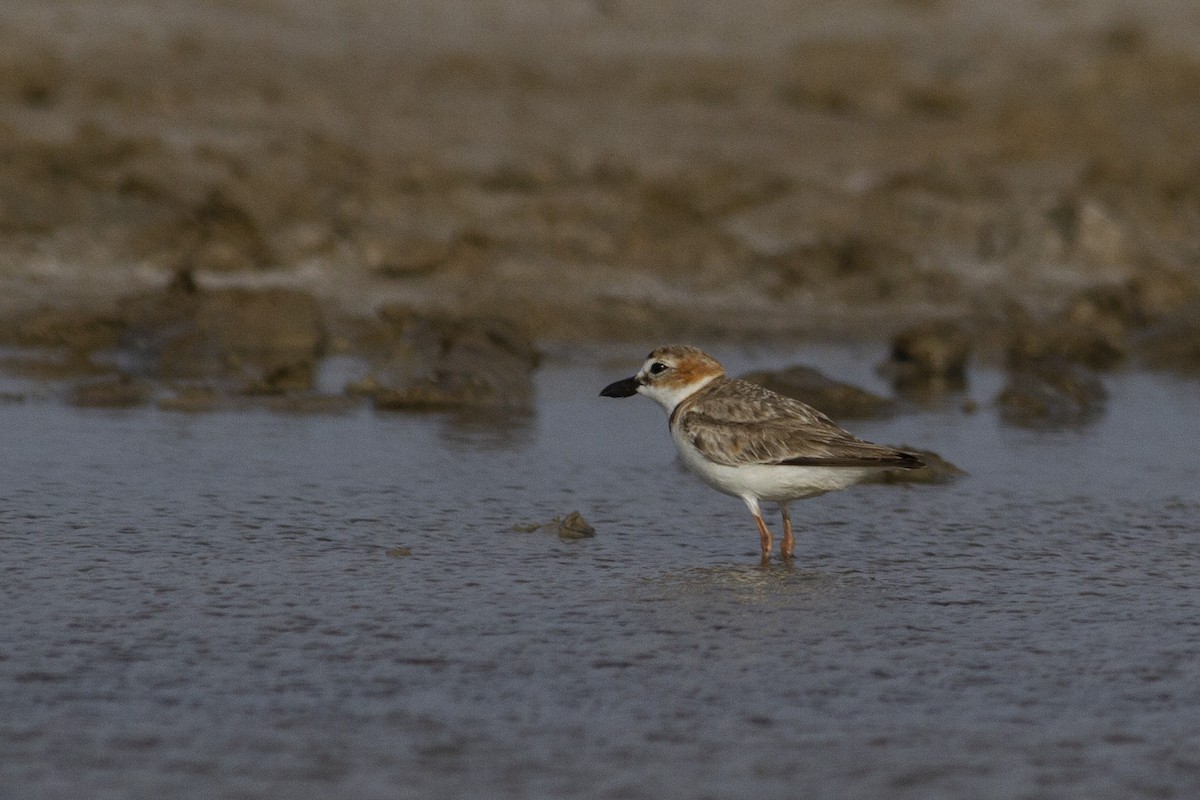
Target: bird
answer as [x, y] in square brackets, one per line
[750, 442]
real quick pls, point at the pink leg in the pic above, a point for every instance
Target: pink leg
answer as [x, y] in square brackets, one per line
[788, 545]
[764, 537]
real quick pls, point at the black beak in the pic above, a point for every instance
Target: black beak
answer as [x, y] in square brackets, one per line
[625, 388]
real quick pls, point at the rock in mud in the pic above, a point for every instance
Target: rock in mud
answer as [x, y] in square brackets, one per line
[932, 348]
[838, 400]
[572, 526]
[1098, 325]
[434, 362]
[930, 357]
[1058, 341]
[251, 341]
[1050, 392]
[1091, 330]
[216, 234]
[937, 470]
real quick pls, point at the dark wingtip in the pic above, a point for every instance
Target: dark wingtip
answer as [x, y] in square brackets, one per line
[909, 460]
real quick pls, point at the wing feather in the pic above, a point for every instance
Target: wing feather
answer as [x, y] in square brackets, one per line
[737, 423]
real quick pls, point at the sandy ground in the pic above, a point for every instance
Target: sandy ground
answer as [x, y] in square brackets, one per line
[606, 169]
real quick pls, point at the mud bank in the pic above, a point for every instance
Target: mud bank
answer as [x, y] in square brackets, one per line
[208, 204]
[193, 349]
[605, 170]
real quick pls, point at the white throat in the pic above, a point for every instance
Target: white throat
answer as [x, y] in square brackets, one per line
[670, 396]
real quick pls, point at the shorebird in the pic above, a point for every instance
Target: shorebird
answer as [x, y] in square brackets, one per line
[747, 441]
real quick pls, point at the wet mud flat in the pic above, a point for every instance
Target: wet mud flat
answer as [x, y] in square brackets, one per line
[245, 603]
[605, 169]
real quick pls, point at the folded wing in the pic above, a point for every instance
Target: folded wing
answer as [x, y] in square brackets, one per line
[739, 423]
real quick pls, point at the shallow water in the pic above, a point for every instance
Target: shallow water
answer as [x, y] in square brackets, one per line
[220, 605]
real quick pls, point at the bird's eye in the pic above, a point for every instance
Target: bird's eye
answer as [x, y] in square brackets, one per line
[657, 367]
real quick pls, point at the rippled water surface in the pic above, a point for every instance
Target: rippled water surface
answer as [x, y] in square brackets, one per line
[255, 605]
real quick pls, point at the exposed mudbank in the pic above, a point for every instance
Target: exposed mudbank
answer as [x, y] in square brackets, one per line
[610, 173]
[193, 222]
[194, 349]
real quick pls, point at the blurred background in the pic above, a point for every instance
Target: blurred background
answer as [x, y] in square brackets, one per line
[608, 168]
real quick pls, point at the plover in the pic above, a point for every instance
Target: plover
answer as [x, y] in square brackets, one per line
[747, 441]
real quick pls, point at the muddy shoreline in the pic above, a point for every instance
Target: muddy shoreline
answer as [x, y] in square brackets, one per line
[386, 182]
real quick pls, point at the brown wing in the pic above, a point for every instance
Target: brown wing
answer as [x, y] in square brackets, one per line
[737, 423]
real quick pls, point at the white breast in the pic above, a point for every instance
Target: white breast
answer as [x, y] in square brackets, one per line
[766, 481]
